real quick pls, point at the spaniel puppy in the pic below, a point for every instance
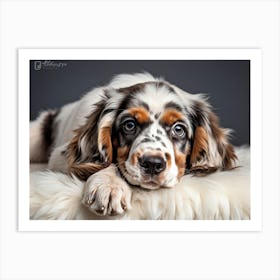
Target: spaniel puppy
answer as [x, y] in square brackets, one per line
[138, 131]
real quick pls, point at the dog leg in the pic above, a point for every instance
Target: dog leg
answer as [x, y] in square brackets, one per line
[106, 193]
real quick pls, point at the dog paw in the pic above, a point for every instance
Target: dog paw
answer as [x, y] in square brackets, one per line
[106, 194]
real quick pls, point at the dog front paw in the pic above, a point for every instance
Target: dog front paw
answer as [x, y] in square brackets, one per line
[106, 194]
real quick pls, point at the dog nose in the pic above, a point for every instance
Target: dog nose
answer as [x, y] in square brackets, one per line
[152, 165]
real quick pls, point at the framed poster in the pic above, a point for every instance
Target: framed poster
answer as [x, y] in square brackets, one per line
[31, 253]
[229, 198]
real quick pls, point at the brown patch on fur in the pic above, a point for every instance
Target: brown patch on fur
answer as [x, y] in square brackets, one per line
[88, 130]
[84, 165]
[200, 144]
[73, 151]
[171, 116]
[134, 158]
[84, 170]
[104, 138]
[218, 133]
[168, 160]
[180, 160]
[225, 149]
[229, 158]
[140, 114]
[122, 154]
[200, 149]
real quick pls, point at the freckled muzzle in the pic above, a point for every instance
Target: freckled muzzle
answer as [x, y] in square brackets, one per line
[152, 168]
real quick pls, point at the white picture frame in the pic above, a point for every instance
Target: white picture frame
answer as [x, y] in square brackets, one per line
[24, 58]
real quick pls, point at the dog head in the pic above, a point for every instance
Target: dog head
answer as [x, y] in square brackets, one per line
[154, 132]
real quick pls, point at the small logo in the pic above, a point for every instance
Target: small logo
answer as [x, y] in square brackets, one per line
[49, 65]
[37, 65]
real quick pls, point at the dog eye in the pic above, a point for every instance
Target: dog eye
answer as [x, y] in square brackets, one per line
[129, 126]
[178, 130]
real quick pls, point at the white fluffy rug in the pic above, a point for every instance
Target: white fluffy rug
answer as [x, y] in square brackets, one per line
[222, 195]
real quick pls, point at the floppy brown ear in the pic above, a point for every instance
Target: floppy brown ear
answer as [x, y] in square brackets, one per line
[210, 149]
[90, 150]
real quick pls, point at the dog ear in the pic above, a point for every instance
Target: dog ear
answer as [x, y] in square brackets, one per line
[90, 150]
[210, 147]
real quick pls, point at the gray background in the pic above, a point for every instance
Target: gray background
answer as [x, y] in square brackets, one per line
[227, 82]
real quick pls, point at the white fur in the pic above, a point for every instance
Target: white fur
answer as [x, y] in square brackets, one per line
[221, 195]
[127, 80]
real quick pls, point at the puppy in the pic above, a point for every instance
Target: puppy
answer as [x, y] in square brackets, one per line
[137, 132]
